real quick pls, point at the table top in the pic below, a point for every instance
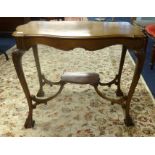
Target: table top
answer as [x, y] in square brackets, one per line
[78, 29]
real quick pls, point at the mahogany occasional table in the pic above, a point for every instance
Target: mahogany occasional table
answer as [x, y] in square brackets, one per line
[67, 35]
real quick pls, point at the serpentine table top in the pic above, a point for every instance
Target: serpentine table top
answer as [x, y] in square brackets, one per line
[75, 30]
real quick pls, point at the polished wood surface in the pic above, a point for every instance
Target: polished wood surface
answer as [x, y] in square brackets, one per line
[80, 77]
[74, 29]
[67, 35]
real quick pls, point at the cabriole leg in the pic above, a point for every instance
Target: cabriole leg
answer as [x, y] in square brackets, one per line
[17, 59]
[139, 66]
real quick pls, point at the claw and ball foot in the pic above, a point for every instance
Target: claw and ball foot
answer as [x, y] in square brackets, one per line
[29, 123]
[128, 121]
[119, 92]
[40, 93]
